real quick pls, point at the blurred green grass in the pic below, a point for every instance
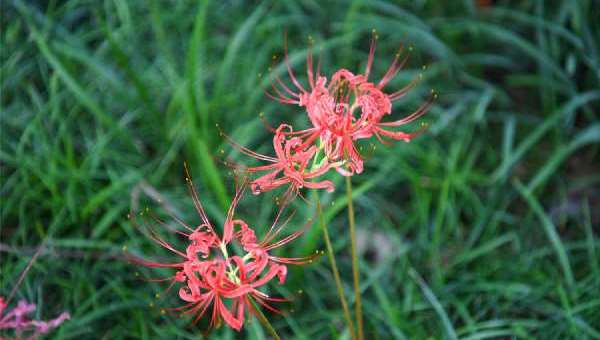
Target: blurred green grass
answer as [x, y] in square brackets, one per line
[484, 227]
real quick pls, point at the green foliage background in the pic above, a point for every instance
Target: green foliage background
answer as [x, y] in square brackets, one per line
[484, 227]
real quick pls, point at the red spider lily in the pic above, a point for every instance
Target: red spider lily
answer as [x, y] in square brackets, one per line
[331, 110]
[291, 164]
[210, 276]
[17, 320]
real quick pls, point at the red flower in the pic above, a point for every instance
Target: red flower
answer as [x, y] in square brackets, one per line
[291, 165]
[350, 108]
[210, 275]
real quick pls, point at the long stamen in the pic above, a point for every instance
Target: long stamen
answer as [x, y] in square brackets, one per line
[177, 219]
[418, 113]
[283, 100]
[267, 237]
[403, 91]
[244, 149]
[309, 63]
[371, 54]
[196, 199]
[285, 88]
[394, 68]
[289, 68]
[296, 260]
[292, 236]
[272, 234]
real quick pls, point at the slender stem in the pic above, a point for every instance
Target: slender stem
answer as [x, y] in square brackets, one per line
[24, 272]
[336, 273]
[263, 319]
[355, 270]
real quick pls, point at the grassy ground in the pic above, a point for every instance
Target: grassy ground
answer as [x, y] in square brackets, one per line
[484, 227]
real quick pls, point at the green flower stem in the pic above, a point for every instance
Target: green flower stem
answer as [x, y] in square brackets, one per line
[263, 319]
[355, 270]
[336, 273]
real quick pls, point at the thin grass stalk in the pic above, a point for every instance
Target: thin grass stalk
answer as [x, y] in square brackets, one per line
[336, 272]
[355, 269]
[25, 271]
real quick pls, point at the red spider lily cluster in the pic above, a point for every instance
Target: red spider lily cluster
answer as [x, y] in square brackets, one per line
[18, 321]
[224, 273]
[348, 109]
